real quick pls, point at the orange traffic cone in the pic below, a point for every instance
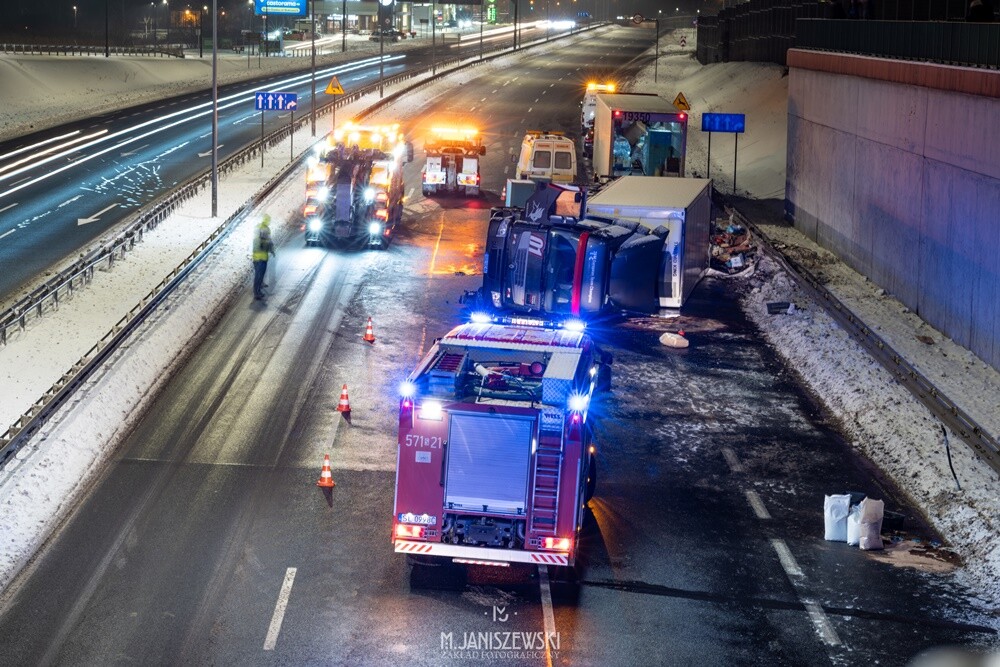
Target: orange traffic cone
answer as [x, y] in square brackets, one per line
[345, 403]
[325, 476]
[369, 336]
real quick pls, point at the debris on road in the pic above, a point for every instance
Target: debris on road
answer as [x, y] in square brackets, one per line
[733, 250]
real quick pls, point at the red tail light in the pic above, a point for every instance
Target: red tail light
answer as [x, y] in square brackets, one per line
[404, 530]
[558, 543]
[382, 214]
[381, 197]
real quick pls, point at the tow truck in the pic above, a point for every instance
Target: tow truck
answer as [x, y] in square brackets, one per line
[589, 104]
[354, 186]
[496, 458]
[452, 161]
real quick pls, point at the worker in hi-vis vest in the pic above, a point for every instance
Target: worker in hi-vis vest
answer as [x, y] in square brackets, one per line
[262, 247]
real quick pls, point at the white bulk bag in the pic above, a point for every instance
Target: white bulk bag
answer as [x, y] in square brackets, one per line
[835, 510]
[871, 523]
[854, 526]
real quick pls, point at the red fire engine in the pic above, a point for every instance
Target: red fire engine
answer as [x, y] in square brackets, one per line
[495, 461]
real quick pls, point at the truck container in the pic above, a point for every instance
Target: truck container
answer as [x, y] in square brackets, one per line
[682, 206]
[495, 458]
[637, 134]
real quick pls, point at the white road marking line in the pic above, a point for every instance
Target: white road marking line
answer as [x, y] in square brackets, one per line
[822, 623]
[786, 558]
[536, 100]
[279, 610]
[6, 234]
[734, 463]
[484, 99]
[494, 91]
[8, 207]
[472, 108]
[530, 108]
[758, 505]
[551, 84]
[547, 615]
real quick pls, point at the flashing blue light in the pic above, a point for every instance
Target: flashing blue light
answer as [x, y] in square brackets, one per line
[407, 389]
[481, 318]
[574, 325]
[578, 402]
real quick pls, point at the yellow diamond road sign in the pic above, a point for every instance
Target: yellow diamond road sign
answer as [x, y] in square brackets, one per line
[334, 88]
[681, 102]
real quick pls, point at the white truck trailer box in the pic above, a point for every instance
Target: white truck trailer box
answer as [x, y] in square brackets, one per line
[638, 134]
[684, 207]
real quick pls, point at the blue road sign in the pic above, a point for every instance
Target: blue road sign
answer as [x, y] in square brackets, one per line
[280, 7]
[723, 122]
[275, 101]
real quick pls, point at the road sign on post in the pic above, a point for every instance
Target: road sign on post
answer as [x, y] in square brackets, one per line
[735, 123]
[275, 101]
[265, 100]
[334, 88]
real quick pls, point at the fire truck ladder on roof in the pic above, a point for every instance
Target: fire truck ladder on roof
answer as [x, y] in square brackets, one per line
[545, 492]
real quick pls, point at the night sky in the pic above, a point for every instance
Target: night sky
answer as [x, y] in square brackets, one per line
[45, 21]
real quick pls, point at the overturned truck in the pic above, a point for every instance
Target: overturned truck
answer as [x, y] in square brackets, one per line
[639, 245]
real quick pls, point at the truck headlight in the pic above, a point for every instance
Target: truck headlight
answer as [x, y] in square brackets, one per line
[315, 225]
[374, 228]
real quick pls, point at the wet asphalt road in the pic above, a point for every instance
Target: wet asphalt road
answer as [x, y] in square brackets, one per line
[704, 545]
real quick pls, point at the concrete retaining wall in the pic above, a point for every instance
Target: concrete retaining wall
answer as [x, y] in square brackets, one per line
[900, 176]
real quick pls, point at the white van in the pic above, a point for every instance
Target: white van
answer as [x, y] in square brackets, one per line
[547, 155]
[589, 105]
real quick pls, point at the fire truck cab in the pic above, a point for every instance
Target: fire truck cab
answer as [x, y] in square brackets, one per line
[495, 457]
[354, 187]
[452, 161]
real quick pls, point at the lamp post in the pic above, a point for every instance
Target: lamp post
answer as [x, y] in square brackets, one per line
[201, 30]
[107, 17]
[152, 6]
[481, 7]
[249, 29]
[313, 109]
[74, 17]
[433, 39]
[343, 27]
[215, 109]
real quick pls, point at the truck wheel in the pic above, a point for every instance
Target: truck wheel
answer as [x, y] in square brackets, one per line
[564, 584]
[591, 478]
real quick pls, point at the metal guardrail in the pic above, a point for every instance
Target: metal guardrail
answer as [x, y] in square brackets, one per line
[942, 407]
[82, 271]
[172, 51]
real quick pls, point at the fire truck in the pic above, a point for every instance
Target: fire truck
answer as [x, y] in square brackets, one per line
[452, 161]
[354, 187]
[496, 459]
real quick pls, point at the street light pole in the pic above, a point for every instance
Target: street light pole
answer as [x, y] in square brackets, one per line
[215, 110]
[313, 121]
[433, 39]
[107, 15]
[74, 17]
[343, 27]
[153, 5]
[201, 31]
[481, 32]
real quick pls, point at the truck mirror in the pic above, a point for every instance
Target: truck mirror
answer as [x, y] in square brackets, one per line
[409, 151]
[482, 150]
[578, 196]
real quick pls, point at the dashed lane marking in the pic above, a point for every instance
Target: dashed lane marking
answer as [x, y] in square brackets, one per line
[757, 504]
[8, 207]
[822, 623]
[786, 558]
[279, 610]
[8, 233]
[734, 463]
[548, 617]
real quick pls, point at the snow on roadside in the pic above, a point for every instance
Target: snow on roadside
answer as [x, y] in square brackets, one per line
[888, 426]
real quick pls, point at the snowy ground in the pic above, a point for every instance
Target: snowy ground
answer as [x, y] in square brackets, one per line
[895, 432]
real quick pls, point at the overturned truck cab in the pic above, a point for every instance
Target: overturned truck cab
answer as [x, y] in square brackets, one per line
[639, 247]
